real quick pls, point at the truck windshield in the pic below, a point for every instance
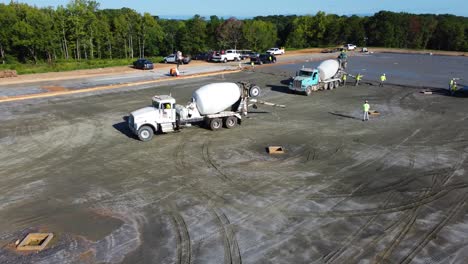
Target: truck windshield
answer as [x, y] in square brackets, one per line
[156, 104]
[305, 73]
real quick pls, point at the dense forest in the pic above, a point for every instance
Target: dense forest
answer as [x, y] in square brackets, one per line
[82, 31]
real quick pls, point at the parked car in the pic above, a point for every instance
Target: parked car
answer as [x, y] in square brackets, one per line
[350, 46]
[172, 59]
[244, 54]
[228, 55]
[206, 56]
[275, 51]
[263, 58]
[143, 64]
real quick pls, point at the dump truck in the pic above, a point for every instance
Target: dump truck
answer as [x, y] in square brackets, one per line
[328, 75]
[214, 105]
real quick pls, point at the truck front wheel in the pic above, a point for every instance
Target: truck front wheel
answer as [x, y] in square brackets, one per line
[215, 124]
[230, 122]
[225, 60]
[145, 133]
[308, 91]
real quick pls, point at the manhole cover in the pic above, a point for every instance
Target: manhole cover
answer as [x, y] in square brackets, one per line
[35, 241]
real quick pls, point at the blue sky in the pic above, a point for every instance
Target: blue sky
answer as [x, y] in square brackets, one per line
[249, 8]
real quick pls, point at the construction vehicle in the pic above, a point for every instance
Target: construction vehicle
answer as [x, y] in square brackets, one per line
[208, 105]
[328, 75]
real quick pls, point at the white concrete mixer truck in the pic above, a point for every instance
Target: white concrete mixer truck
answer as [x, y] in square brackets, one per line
[328, 75]
[215, 105]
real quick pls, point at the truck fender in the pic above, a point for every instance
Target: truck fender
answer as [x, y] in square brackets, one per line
[239, 117]
[148, 124]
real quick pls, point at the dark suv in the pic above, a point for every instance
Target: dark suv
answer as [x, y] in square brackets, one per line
[143, 64]
[263, 58]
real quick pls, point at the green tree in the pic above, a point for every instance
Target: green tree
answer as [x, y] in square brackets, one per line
[230, 33]
[7, 20]
[259, 35]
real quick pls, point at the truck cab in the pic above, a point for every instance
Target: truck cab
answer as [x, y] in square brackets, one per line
[306, 80]
[159, 117]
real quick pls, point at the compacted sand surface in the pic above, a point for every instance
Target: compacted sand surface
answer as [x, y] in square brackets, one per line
[390, 190]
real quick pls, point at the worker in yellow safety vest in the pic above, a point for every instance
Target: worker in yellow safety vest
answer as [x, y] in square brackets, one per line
[358, 79]
[454, 88]
[365, 108]
[383, 78]
[345, 76]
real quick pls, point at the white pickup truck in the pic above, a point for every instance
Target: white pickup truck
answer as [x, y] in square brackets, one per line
[229, 55]
[275, 51]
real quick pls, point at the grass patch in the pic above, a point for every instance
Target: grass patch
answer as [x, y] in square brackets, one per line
[70, 65]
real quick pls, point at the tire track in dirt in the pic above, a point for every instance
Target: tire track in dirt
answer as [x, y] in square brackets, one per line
[335, 255]
[426, 199]
[435, 230]
[232, 253]
[183, 242]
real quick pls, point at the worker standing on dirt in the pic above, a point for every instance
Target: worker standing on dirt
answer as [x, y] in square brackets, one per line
[345, 76]
[358, 79]
[451, 83]
[365, 108]
[454, 88]
[343, 59]
[383, 78]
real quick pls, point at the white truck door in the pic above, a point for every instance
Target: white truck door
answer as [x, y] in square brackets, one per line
[167, 113]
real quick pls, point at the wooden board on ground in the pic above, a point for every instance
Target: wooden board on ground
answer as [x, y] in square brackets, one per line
[275, 150]
[35, 241]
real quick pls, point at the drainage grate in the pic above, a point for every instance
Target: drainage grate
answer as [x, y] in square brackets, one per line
[35, 241]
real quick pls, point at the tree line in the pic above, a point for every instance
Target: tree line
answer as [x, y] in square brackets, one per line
[82, 31]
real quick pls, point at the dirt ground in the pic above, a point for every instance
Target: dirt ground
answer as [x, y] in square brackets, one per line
[390, 190]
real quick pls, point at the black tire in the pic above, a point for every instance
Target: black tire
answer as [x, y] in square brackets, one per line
[274, 61]
[145, 133]
[225, 60]
[230, 122]
[216, 123]
[236, 59]
[325, 86]
[261, 63]
[337, 84]
[254, 91]
[331, 85]
[165, 61]
[308, 91]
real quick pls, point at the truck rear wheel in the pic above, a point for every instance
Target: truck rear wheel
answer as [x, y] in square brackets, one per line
[331, 85]
[225, 60]
[215, 124]
[230, 122]
[145, 133]
[337, 84]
